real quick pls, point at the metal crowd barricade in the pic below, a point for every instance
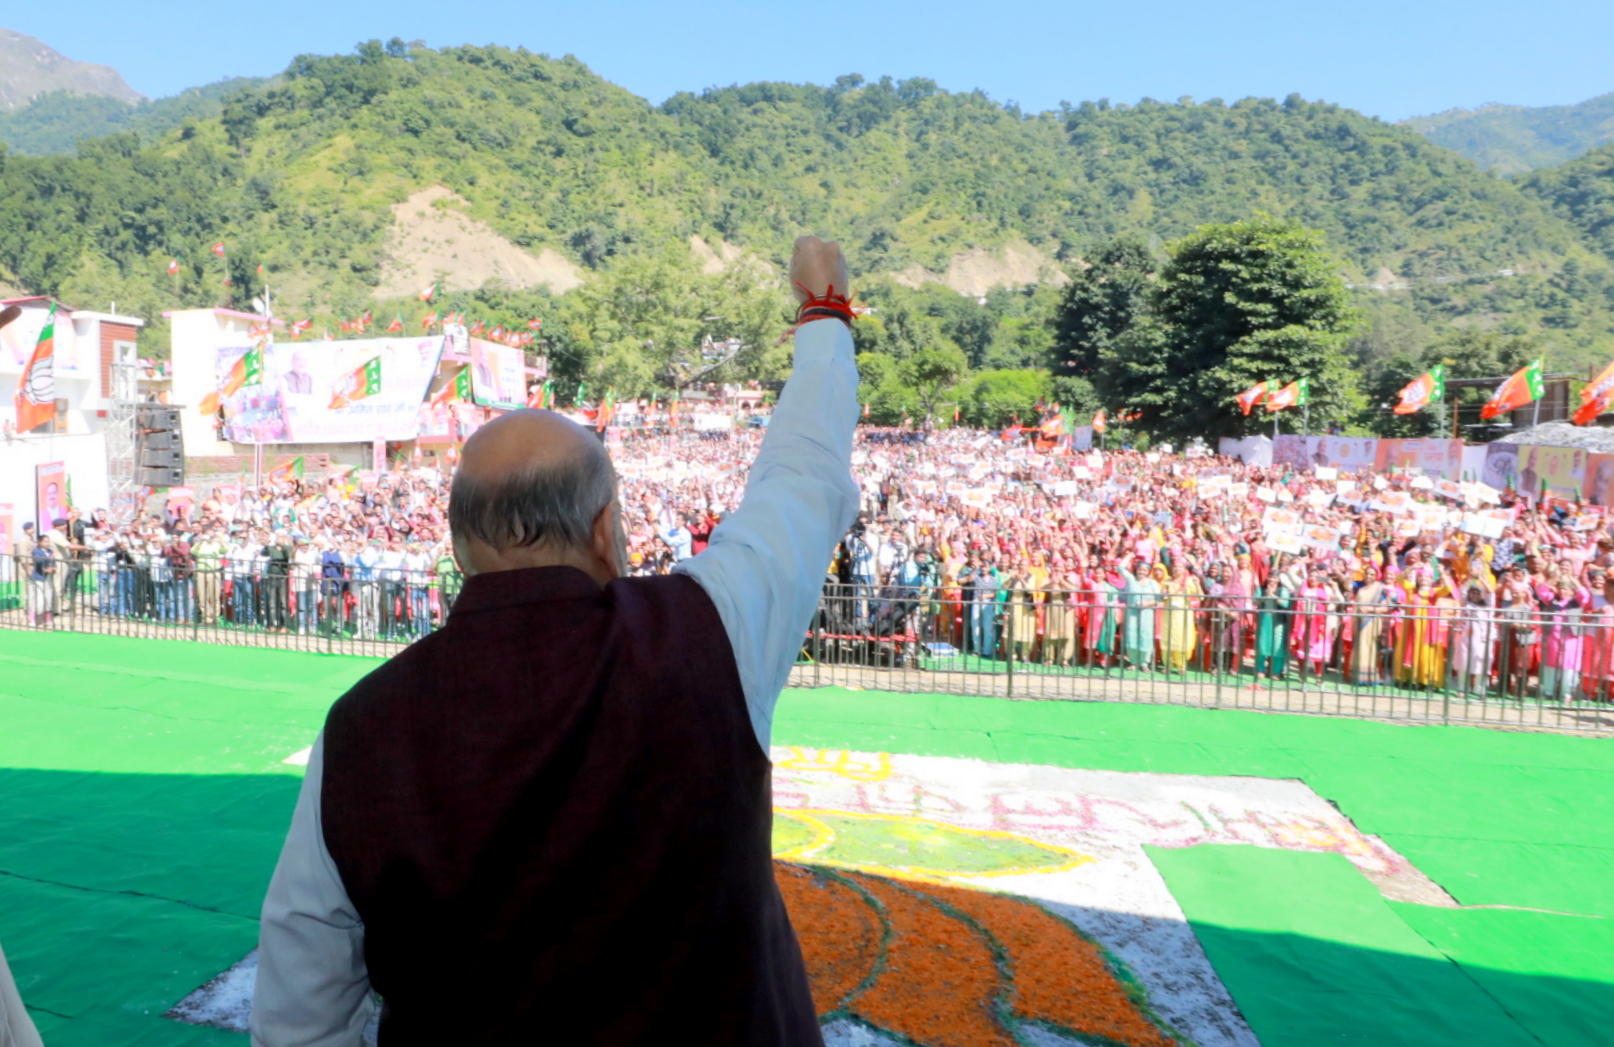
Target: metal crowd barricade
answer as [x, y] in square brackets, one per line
[375, 611]
[1518, 667]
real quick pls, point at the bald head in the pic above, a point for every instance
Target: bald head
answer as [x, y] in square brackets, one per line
[534, 489]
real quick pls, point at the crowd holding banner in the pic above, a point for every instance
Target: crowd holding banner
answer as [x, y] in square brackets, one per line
[1381, 573]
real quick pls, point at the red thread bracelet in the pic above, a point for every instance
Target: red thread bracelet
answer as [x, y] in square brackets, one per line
[825, 305]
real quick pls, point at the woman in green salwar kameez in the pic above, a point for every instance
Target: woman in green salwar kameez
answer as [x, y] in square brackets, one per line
[1272, 603]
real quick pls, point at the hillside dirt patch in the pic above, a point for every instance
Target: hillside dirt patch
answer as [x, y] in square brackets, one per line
[978, 270]
[431, 235]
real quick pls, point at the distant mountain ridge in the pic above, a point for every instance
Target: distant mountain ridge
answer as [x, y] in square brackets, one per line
[53, 124]
[1514, 139]
[30, 68]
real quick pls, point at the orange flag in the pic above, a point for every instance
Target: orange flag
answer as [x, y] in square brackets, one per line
[36, 389]
[1524, 386]
[1596, 397]
[1252, 396]
[1101, 423]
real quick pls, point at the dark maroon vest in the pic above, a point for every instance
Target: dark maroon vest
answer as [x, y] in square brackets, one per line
[555, 820]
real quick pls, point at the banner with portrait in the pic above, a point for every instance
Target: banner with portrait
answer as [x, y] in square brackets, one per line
[50, 495]
[330, 392]
[498, 375]
[1551, 470]
[1431, 456]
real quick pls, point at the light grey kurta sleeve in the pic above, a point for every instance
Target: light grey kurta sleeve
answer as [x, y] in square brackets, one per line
[313, 988]
[765, 565]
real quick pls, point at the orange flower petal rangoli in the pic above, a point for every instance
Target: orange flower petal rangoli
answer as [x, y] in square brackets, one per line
[838, 930]
[941, 983]
[959, 964]
[1059, 976]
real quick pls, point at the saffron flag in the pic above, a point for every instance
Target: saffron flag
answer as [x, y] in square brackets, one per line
[1101, 421]
[1596, 397]
[396, 325]
[535, 324]
[362, 381]
[173, 267]
[287, 470]
[1295, 394]
[458, 389]
[36, 389]
[1053, 423]
[1013, 431]
[247, 370]
[429, 319]
[1252, 396]
[607, 411]
[218, 248]
[1426, 389]
[1524, 386]
[427, 294]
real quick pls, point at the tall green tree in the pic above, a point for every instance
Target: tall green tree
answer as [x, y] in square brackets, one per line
[1258, 300]
[1100, 304]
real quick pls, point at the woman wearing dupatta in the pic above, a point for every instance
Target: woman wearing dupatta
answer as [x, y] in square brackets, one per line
[1420, 649]
[1597, 649]
[1103, 616]
[1181, 592]
[1273, 624]
[1562, 617]
[1474, 637]
[1022, 616]
[1142, 598]
[1373, 604]
[1229, 602]
[1061, 628]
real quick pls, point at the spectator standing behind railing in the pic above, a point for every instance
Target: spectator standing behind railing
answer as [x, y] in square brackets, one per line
[162, 582]
[210, 553]
[305, 584]
[390, 574]
[333, 588]
[277, 583]
[417, 567]
[183, 565]
[365, 591]
[41, 587]
[238, 573]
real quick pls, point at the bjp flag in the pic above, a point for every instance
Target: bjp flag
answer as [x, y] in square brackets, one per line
[362, 381]
[1427, 388]
[1595, 398]
[1524, 386]
[1101, 422]
[36, 389]
[1295, 394]
[1252, 396]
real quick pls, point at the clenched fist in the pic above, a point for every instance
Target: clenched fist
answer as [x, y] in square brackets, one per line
[816, 266]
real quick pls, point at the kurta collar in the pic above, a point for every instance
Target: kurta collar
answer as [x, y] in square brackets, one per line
[483, 592]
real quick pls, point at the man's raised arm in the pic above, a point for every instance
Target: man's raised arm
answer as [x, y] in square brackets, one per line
[765, 565]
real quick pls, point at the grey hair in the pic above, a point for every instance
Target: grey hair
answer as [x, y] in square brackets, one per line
[548, 502]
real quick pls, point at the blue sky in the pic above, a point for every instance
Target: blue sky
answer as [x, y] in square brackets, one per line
[1388, 59]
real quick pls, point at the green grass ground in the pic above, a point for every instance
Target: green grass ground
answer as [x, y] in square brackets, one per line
[143, 798]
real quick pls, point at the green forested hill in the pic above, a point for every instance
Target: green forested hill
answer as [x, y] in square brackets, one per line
[1582, 191]
[299, 175]
[53, 123]
[1514, 139]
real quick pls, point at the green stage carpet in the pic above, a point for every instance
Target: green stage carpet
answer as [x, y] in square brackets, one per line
[143, 797]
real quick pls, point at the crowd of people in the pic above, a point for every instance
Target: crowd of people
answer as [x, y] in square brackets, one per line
[967, 545]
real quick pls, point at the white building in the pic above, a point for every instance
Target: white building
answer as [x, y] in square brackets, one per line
[86, 344]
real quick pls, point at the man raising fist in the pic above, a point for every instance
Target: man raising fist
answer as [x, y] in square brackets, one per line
[551, 820]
